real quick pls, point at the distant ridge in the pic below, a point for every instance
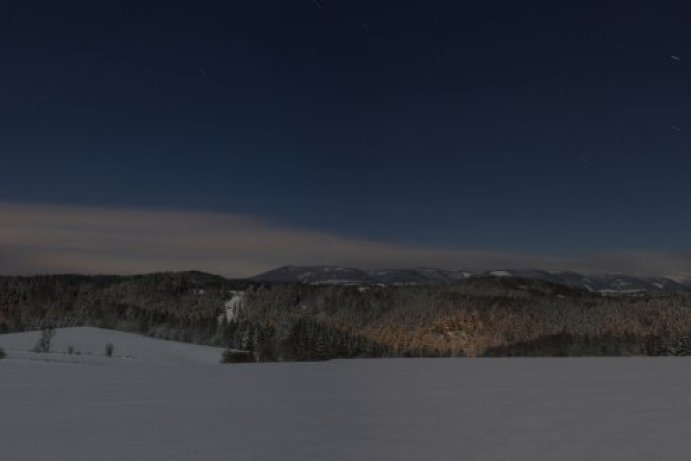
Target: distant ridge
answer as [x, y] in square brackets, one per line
[335, 275]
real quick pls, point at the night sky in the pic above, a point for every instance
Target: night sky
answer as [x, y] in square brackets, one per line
[548, 128]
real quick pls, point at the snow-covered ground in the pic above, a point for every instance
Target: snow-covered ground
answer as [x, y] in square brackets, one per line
[171, 401]
[89, 346]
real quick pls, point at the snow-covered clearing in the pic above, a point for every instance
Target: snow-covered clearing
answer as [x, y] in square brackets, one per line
[89, 346]
[172, 401]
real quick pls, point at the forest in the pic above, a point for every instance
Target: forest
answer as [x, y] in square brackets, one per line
[478, 317]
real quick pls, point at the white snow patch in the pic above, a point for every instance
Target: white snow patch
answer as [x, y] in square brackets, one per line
[405, 409]
[89, 346]
[234, 305]
[305, 275]
[336, 282]
[622, 291]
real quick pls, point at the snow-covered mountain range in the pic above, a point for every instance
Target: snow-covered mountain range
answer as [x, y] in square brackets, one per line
[601, 283]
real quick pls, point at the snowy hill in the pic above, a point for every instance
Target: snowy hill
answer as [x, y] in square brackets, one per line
[322, 275]
[88, 345]
[316, 275]
[418, 276]
[682, 279]
[599, 283]
[618, 283]
[523, 273]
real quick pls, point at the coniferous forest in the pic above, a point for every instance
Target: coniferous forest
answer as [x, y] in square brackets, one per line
[288, 322]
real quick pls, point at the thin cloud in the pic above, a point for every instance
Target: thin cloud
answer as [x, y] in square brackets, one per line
[59, 239]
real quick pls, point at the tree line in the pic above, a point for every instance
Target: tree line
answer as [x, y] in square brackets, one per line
[475, 317]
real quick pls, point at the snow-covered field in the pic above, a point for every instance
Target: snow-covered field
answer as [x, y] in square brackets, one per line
[89, 344]
[159, 400]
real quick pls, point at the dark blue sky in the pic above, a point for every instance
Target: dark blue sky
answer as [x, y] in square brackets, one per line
[522, 126]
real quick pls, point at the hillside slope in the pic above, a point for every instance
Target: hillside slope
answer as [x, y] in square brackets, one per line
[607, 283]
[88, 344]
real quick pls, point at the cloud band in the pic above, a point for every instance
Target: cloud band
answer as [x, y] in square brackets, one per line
[61, 239]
